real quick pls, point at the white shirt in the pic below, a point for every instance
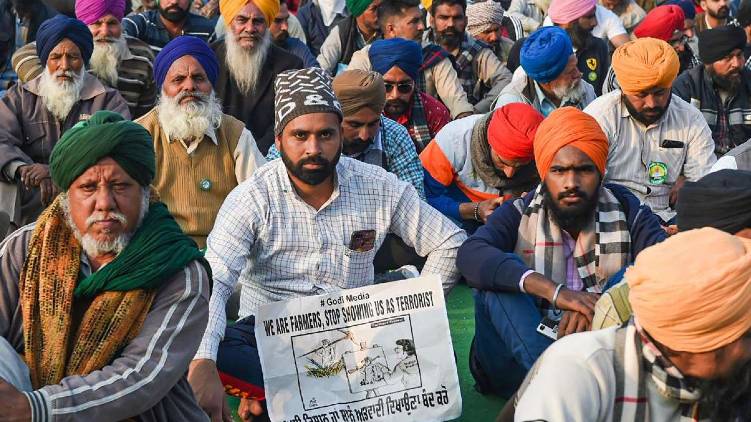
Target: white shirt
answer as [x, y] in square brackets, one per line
[635, 151]
[279, 247]
[609, 25]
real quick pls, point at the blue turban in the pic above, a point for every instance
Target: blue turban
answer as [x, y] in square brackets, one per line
[53, 30]
[689, 11]
[185, 45]
[545, 53]
[385, 54]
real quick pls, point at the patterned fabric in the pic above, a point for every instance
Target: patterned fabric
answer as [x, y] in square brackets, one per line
[148, 27]
[470, 49]
[432, 54]
[636, 358]
[418, 123]
[54, 347]
[721, 132]
[304, 91]
[602, 249]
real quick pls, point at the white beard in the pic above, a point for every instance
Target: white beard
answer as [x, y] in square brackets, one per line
[189, 121]
[571, 94]
[245, 65]
[106, 58]
[60, 97]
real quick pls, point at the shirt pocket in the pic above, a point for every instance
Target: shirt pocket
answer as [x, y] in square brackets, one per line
[35, 142]
[357, 267]
[672, 158]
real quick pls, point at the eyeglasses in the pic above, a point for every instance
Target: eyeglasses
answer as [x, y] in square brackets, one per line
[680, 41]
[403, 87]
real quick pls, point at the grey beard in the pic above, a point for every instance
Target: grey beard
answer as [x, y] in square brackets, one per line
[570, 95]
[189, 121]
[106, 58]
[60, 97]
[245, 66]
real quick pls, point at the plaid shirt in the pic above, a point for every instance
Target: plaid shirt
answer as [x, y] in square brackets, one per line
[148, 27]
[279, 247]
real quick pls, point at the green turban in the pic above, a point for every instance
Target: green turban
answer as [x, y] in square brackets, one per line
[357, 7]
[105, 134]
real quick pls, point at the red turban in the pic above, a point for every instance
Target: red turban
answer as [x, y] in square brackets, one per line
[569, 126]
[661, 22]
[512, 130]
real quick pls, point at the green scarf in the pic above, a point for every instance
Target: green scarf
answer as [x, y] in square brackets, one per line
[158, 250]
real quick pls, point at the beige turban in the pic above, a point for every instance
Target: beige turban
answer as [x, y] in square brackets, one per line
[230, 8]
[357, 89]
[692, 292]
[644, 64]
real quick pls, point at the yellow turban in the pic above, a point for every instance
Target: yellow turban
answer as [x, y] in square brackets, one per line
[644, 64]
[692, 292]
[230, 8]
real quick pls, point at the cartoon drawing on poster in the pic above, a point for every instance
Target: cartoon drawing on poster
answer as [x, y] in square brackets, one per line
[339, 366]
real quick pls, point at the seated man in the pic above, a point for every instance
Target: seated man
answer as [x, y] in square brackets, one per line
[201, 153]
[399, 61]
[403, 19]
[104, 298]
[35, 114]
[480, 72]
[656, 140]
[119, 61]
[667, 23]
[548, 77]
[307, 224]
[627, 11]
[280, 36]
[485, 23]
[550, 253]
[476, 163]
[684, 356]
[248, 64]
[368, 136]
[171, 18]
[721, 89]
[350, 34]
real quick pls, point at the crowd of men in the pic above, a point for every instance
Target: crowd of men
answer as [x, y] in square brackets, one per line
[168, 167]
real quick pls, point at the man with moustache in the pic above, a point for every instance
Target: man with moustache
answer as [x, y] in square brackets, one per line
[656, 139]
[307, 224]
[201, 153]
[685, 355]
[35, 114]
[716, 13]
[119, 61]
[485, 23]
[481, 73]
[170, 19]
[550, 253]
[279, 29]
[349, 35]
[721, 88]
[248, 64]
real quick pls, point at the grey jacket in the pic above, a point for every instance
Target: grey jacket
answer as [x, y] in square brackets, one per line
[148, 379]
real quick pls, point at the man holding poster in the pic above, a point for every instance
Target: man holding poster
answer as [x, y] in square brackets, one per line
[307, 224]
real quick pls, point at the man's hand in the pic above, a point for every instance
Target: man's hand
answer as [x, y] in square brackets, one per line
[579, 302]
[48, 191]
[248, 409]
[33, 174]
[573, 322]
[679, 182]
[487, 207]
[204, 379]
[15, 405]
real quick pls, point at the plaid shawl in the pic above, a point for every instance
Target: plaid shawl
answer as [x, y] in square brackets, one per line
[470, 49]
[636, 358]
[602, 249]
[420, 130]
[432, 54]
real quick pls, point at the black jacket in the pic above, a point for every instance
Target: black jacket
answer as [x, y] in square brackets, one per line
[256, 110]
[695, 86]
[593, 62]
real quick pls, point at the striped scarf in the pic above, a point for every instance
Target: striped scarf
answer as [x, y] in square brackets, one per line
[418, 121]
[636, 358]
[602, 248]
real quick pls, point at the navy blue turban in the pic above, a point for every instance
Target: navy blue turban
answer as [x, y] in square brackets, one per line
[545, 53]
[53, 30]
[185, 45]
[689, 11]
[385, 54]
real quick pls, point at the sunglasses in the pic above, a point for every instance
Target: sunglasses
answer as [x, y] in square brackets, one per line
[402, 87]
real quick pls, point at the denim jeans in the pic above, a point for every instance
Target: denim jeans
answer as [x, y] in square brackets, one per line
[238, 362]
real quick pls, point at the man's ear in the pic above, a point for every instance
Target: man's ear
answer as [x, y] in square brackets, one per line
[278, 142]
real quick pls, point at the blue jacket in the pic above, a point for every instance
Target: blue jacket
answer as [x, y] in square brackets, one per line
[301, 50]
[487, 258]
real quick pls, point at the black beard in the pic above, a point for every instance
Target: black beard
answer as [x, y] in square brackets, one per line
[449, 37]
[174, 14]
[355, 146]
[572, 219]
[579, 36]
[728, 83]
[640, 115]
[395, 107]
[281, 39]
[727, 399]
[310, 177]
[722, 13]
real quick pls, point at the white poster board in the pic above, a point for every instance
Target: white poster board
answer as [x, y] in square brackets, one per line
[376, 353]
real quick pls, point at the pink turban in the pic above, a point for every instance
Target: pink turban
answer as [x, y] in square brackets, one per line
[565, 11]
[90, 11]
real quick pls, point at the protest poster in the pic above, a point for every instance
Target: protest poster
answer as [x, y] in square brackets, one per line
[377, 353]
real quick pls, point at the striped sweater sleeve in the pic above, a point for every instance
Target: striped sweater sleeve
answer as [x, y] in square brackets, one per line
[147, 368]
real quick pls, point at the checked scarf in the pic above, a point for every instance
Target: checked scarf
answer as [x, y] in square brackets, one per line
[432, 54]
[602, 248]
[420, 130]
[470, 49]
[636, 358]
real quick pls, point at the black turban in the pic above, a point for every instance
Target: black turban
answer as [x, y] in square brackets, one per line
[721, 200]
[714, 44]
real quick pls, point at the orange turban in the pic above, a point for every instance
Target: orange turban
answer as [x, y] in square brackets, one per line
[692, 292]
[230, 8]
[644, 64]
[512, 130]
[569, 126]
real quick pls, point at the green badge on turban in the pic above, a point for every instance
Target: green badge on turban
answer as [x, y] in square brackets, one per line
[105, 134]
